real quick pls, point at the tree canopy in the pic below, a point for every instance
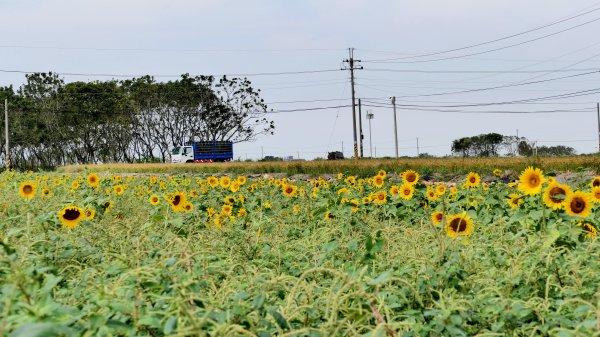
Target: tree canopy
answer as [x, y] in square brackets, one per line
[56, 123]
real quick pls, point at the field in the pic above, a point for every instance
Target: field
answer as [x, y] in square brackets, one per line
[363, 167]
[384, 254]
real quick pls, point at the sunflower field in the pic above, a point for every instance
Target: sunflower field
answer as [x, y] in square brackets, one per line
[99, 254]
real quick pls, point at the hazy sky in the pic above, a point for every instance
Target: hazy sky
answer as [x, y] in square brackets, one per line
[246, 37]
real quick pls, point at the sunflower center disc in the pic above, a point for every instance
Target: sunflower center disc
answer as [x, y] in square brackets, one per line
[71, 214]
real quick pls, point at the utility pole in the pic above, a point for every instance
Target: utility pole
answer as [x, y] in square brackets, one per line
[351, 67]
[6, 133]
[597, 111]
[262, 156]
[395, 126]
[418, 154]
[360, 133]
[369, 117]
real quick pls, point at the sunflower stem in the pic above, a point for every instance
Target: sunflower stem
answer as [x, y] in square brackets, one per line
[543, 228]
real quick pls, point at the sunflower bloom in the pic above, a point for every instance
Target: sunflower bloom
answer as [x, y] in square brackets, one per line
[410, 177]
[380, 198]
[497, 172]
[289, 190]
[119, 189]
[378, 181]
[473, 179]
[178, 202]
[93, 180]
[589, 229]
[213, 181]
[46, 192]
[595, 182]
[437, 217]
[514, 200]
[90, 213]
[459, 224]
[555, 195]
[596, 194]
[242, 180]
[235, 186]
[578, 204]
[531, 180]
[27, 189]
[407, 191]
[431, 194]
[70, 216]
[225, 181]
[154, 200]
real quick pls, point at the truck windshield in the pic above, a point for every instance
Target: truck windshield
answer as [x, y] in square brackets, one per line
[176, 150]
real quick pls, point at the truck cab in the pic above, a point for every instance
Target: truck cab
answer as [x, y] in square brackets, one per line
[182, 154]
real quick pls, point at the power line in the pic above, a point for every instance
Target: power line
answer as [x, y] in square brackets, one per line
[497, 87]
[268, 50]
[497, 40]
[491, 50]
[477, 71]
[168, 75]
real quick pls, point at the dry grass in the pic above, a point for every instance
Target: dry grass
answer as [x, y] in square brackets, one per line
[362, 167]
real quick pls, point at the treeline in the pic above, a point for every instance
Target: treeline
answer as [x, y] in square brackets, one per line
[494, 145]
[54, 123]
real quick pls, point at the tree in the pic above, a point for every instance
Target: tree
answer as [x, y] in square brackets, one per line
[484, 145]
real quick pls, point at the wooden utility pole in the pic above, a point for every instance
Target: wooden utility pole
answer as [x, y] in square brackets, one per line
[598, 112]
[6, 133]
[351, 61]
[360, 132]
[395, 126]
[418, 154]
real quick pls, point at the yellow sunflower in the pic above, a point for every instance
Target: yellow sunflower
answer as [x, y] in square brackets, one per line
[440, 189]
[289, 190]
[497, 172]
[382, 173]
[119, 189]
[225, 181]
[473, 179]
[296, 208]
[555, 195]
[531, 180]
[514, 200]
[178, 201]
[380, 197]
[437, 217]
[394, 190]
[596, 194]
[154, 200]
[93, 180]
[459, 224]
[329, 216]
[70, 216]
[213, 181]
[589, 229]
[431, 194]
[235, 186]
[410, 177]
[378, 181]
[27, 189]
[595, 182]
[227, 209]
[242, 180]
[188, 207]
[229, 200]
[340, 176]
[46, 192]
[75, 185]
[407, 191]
[578, 204]
[90, 213]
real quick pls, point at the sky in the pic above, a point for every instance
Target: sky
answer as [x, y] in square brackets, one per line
[421, 51]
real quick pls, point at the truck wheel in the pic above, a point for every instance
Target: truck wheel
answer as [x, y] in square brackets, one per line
[189, 161]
